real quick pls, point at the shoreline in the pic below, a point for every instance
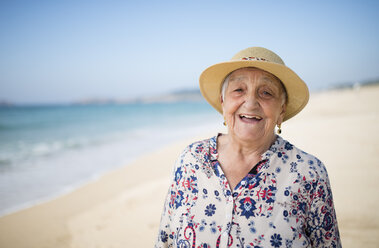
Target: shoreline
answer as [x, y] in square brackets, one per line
[48, 224]
[43, 200]
[51, 175]
[123, 207]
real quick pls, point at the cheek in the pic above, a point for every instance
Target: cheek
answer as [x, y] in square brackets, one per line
[272, 110]
[229, 108]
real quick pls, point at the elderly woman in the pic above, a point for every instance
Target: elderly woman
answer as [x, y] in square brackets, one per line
[250, 187]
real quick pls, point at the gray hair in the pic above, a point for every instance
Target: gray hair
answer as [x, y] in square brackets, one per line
[225, 85]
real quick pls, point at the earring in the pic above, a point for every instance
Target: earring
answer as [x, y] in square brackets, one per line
[224, 123]
[279, 131]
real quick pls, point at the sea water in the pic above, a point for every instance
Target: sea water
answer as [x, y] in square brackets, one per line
[46, 151]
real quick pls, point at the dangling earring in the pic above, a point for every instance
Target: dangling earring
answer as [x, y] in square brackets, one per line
[224, 123]
[279, 131]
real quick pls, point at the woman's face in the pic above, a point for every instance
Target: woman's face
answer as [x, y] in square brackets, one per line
[253, 104]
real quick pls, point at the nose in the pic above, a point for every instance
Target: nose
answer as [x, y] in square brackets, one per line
[251, 100]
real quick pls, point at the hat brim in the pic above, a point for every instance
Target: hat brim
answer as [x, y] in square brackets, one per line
[212, 78]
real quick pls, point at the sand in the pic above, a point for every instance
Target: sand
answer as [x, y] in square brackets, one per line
[122, 208]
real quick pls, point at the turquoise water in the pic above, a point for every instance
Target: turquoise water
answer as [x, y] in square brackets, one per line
[46, 151]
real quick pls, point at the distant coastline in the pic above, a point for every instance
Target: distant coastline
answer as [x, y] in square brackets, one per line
[192, 95]
[5, 104]
[347, 85]
[185, 95]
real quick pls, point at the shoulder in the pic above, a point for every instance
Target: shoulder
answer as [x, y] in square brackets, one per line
[201, 147]
[198, 151]
[301, 161]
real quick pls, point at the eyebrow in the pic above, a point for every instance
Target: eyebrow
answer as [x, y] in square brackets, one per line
[236, 78]
[273, 82]
[269, 79]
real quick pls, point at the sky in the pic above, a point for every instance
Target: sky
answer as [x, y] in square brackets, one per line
[65, 51]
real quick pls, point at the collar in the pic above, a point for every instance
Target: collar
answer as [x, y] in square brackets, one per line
[213, 153]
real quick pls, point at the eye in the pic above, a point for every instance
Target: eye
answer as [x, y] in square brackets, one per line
[267, 93]
[238, 90]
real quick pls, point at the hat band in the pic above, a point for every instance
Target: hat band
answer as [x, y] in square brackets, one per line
[254, 58]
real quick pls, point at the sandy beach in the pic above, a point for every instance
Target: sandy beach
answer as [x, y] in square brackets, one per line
[122, 208]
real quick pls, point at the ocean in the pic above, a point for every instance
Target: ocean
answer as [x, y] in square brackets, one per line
[47, 151]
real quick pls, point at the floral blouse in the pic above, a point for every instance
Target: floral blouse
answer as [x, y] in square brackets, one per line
[284, 201]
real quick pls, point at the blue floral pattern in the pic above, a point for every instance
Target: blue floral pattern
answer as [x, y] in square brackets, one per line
[287, 203]
[210, 210]
[247, 205]
[276, 240]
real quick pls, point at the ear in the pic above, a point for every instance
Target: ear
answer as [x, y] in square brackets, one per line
[222, 105]
[282, 113]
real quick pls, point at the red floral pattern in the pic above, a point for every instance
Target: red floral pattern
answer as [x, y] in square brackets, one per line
[288, 203]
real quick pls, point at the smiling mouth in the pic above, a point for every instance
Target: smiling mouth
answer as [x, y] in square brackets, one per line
[250, 118]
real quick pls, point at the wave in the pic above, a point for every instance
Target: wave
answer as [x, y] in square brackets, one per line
[27, 151]
[33, 151]
[51, 154]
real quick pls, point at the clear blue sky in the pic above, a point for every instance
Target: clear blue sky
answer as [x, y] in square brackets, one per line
[62, 51]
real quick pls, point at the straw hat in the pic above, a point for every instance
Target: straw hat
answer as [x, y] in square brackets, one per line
[212, 78]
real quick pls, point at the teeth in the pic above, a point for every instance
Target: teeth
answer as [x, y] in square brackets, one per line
[251, 117]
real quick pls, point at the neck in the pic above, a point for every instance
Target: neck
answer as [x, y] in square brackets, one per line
[247, 148]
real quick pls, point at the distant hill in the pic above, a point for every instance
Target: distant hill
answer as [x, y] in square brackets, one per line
[186, 95]
[354, 84]
[192, 95]
[5, 104]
